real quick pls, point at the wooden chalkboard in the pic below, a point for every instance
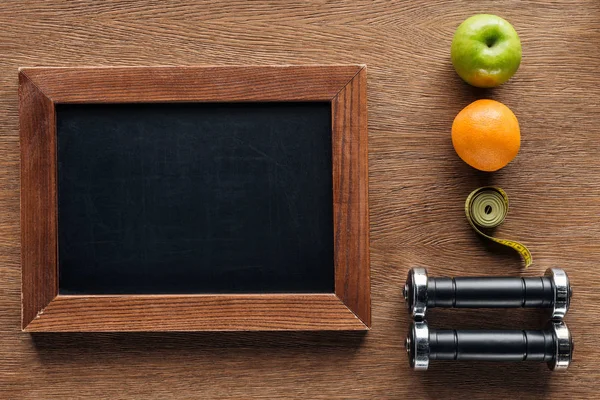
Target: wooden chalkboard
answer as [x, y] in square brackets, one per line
[194, 198]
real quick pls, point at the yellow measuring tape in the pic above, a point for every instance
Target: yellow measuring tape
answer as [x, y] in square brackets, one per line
[486, 208]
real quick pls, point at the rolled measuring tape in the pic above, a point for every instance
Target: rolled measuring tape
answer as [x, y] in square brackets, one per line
[486, 208]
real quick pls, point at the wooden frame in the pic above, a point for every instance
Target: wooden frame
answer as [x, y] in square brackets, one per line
[43, 309]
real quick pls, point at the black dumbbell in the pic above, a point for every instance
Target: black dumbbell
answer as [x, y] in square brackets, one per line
[552, 291]
[553, 345]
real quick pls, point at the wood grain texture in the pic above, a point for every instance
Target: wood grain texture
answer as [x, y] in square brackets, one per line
[42, 88]
[181, 84]
[38, 199]
[351, 196]
[196, 313]
[417, 188]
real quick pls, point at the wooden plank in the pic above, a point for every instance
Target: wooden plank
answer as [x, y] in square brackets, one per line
[193, 313]
[350, 196]
[417, 188]
[38, 199]
[187, 84]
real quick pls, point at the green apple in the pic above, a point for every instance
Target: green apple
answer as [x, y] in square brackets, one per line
[486, 50]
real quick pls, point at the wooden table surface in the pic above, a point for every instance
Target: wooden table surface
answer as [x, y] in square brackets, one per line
[417, 189]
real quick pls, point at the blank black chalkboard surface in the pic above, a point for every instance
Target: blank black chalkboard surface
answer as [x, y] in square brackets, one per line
[194, 198]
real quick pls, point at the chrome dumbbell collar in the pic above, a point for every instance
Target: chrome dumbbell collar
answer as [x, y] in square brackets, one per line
[563, 352]
[417, 346]
[415, 292]
[562, 292]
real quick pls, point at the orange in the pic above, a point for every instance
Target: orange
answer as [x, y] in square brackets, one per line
[486, 135]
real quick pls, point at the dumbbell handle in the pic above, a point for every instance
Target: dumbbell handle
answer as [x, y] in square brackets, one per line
[498, 292]
[552, 345]
[513, 345]
[552, 291]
